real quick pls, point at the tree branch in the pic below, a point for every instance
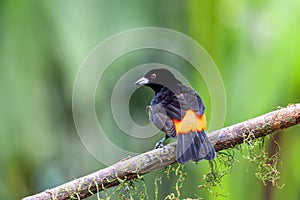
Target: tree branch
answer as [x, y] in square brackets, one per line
[147, 162]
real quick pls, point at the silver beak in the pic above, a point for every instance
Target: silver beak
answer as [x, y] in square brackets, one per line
[142, 81]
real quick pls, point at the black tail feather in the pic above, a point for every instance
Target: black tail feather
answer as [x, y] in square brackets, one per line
[194, 146]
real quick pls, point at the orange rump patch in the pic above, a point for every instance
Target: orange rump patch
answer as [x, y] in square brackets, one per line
[189, 123]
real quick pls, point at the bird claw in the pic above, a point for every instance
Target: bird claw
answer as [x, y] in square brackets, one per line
[159, 145]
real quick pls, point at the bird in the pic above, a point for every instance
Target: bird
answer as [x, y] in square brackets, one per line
[178, 110]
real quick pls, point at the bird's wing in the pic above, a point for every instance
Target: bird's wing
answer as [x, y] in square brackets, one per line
[158, 115]
[180, 103]
[192, 101]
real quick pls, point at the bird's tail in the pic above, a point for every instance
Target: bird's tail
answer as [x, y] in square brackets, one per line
[194, 146]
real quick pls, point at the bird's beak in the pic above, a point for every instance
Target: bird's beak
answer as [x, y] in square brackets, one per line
[142, 81]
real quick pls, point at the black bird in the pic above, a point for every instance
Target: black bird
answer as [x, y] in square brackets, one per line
[178, 111]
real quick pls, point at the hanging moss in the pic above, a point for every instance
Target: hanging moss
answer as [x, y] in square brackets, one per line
[219, 167]
[267, 165]
[254, 150]
[181, 175]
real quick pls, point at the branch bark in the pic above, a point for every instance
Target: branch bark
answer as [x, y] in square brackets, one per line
[147, 162]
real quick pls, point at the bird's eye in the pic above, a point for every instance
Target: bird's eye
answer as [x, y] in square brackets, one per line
[153, 76]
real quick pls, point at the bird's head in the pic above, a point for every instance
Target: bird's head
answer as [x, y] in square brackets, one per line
[157, 79]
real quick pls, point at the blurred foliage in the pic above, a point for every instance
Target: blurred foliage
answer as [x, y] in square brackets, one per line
[255, 44]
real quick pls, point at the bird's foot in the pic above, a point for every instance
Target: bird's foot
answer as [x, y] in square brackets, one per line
[159, 145]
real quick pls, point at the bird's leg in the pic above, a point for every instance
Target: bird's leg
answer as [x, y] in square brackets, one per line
[159, 144]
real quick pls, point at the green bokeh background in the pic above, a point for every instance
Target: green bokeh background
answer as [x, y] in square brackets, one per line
[255, 44]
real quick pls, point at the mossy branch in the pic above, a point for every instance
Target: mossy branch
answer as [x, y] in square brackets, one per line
[131, 168]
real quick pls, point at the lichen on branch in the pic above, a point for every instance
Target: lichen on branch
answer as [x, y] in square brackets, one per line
[134, 167]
